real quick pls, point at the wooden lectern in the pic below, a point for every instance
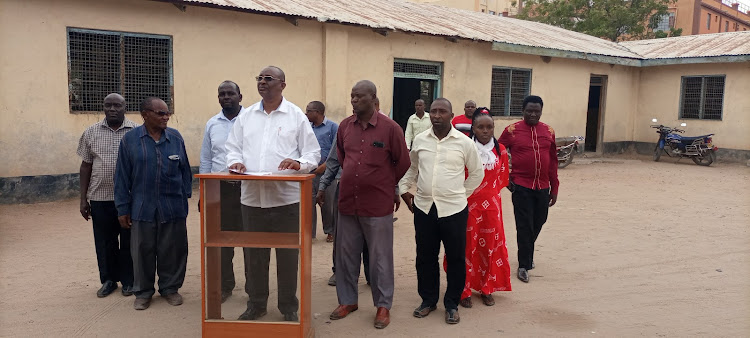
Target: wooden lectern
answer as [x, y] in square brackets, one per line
[213, 238]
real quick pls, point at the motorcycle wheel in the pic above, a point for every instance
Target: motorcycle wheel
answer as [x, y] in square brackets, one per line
[657, 154]
[567, 162]
[706, 159]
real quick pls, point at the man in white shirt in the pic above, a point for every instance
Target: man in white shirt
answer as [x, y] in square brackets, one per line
[438, 159]
[272, 135]
[214, 160]
[417, 123]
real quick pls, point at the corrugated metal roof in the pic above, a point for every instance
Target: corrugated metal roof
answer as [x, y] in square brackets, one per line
[430, 19]
[693, 46]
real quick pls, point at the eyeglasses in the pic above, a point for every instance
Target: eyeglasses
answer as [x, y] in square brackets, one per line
[161, 113]
[267, 78]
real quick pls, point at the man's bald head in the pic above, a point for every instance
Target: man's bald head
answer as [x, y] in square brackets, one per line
[469, 108]
[276, 72]
[114, 110]
[367, 87]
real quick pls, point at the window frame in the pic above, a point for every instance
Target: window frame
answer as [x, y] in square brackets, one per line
[701, 107]
[132, 107]
[506, 113]
[708, 22]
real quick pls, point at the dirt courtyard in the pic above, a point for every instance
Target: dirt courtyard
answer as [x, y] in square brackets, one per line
[632, 248]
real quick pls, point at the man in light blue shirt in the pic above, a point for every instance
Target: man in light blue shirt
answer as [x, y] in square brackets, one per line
[325, 131]
[213, 160]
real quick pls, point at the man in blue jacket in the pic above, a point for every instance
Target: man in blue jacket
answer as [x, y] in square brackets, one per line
[152, 185]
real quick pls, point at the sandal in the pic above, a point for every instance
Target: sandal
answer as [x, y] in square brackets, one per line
[488, 300]
[466, 302]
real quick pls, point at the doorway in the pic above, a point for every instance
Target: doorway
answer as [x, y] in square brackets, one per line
[413, 80]
[597, 92]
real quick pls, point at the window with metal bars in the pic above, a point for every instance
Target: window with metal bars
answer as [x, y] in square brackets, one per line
[416, 68]
[509, 87]
[103, 62]
[702, 97]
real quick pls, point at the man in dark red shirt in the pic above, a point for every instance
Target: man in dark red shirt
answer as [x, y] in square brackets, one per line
[533, 178]
[373, 155]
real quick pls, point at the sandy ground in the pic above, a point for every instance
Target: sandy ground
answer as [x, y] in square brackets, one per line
[632, 248]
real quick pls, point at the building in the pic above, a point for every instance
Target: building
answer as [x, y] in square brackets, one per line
[707, 16]
[59, 59]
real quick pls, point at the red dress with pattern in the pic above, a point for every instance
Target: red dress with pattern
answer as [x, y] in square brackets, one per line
[487, 268]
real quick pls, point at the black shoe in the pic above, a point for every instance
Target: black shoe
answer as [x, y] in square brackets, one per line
[332, 280]
[225, 295]
[291, 317]
[253, 314]
[452, 317]
[532, 266]
[523, 275]
[107, 288]
[127, 290]
[423, 310]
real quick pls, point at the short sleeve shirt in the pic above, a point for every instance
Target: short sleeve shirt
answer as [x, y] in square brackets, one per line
[99, 145]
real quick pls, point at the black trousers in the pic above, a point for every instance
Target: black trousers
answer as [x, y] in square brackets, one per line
[530, 208]
[158, 247]
[231, 220]
[429, 231]
[112, 255]
[279, 219]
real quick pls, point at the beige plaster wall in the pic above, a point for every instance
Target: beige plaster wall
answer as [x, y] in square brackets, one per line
[659, 97]
[322, 62]
[39, 136]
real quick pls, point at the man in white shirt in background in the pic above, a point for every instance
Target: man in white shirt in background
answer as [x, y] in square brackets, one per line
[438, 159]
[272, 135]
[214, 160]
[417, 123]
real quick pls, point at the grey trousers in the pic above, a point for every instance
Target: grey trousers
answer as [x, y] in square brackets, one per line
[329, 211]
[158, 247]
[351, 233]
[279, 219]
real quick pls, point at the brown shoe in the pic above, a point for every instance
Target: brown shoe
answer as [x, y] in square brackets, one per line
[466, 302]
[174, 299]
[343, 311]
[382, 318]
[142, 303]
[329, 239]
[488, 300]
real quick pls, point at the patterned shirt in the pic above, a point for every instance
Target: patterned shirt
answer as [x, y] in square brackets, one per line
[534, 155]
[153, 177]
[98, 146]
[462, 123]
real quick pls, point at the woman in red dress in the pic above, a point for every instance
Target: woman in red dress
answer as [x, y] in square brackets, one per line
[487, 268]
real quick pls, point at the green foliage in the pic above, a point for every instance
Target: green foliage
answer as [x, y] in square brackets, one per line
[614, 20]
[672, 33]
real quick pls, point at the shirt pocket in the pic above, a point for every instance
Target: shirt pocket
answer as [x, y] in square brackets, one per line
[286, 142]
[377, 156]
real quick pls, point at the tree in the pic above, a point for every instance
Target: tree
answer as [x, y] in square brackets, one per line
[615, 20]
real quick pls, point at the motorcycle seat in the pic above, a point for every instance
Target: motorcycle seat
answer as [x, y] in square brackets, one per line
[691, 139]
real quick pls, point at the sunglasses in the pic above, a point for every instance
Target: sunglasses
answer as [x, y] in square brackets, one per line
[267, 78]
[161, 113]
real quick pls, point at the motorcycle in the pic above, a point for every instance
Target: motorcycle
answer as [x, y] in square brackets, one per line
[566, 148]
[698, 148]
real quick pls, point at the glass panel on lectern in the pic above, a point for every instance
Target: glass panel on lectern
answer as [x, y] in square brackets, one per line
[254, 255]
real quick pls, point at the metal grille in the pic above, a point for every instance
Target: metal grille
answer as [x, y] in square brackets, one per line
[509, 88]
[417, 68]
[102, 62]
[702, 97]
